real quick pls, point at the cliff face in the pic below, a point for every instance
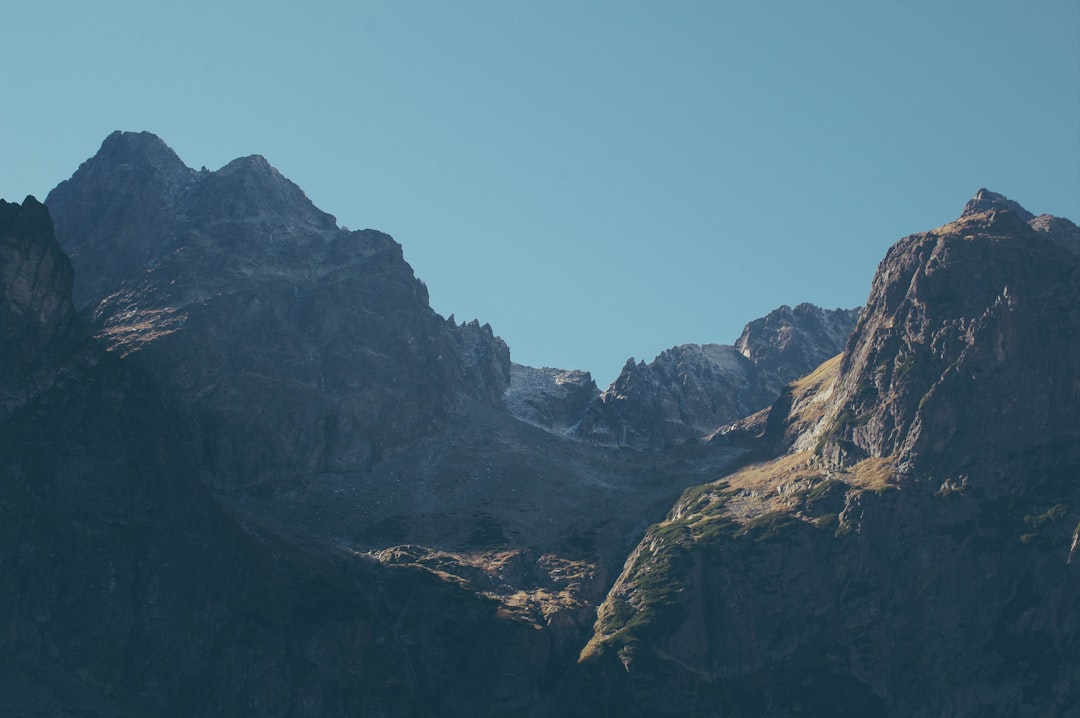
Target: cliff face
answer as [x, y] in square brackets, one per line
[968, 347]
[910, 549]
[36, 276]
[295, 346]
[904, 541]
[127, 590]
[552, 399]
[691, 391]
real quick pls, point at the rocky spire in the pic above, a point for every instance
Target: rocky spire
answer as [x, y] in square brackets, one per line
[985, 200]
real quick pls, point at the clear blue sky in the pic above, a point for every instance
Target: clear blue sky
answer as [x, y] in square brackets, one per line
[595, 179]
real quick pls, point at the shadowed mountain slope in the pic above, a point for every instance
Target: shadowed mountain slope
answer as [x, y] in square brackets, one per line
[296, 347]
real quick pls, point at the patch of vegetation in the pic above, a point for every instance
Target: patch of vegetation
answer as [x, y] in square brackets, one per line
[696, 498]
[1036, 522]
[767, 527]
[652, 607]
[1054, 513]
[620, 614]
[877, 474]
[674, 532]
[713, 529]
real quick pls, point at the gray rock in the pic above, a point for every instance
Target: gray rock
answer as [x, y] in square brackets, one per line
[691, 391]
[294, 345]
[905, 542]
[552, 399]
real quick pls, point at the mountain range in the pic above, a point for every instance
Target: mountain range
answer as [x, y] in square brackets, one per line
[249, 471]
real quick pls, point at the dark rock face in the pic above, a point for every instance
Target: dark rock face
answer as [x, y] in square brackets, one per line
[974, 319]
[906, 545]
[913, 549]
[128, 592]
[296, 346]
[36, 309]
[691, 391]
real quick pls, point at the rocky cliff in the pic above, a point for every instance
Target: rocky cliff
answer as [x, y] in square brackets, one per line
[908, 547]
[129, 592]
[898, 537]
[295, 346]
[691, 391]
[552, 399]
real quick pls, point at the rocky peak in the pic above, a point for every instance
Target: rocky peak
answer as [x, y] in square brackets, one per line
[139, 149]
[250, 188]
[985, 200]
[1059, 231]
[955, 328]
[245, 300]
[138, 160]
[792, 342]
[691, 391]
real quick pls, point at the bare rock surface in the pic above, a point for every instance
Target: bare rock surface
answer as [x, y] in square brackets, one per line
[295, 346]
[691, 391]
[128, 591]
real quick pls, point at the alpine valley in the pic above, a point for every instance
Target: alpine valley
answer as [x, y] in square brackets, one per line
[246, 470]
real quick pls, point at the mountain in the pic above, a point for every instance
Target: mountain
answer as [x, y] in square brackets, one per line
[687, 392]
[692, 391]
[128, 590]
[249, 471]
[903, 541]
[296, 347]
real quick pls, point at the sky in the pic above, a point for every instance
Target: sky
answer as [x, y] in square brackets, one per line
[597, 180]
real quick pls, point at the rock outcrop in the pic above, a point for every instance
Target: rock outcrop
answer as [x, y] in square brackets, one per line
[788, 343]
[909, 548]
[552, 399]
[296, 347]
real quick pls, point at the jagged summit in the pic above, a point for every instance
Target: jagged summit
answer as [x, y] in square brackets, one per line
[143, 156]
[246, 299]
[251, 188]
[985, 200]
[691, 391]
[135, 206]
[121, 143]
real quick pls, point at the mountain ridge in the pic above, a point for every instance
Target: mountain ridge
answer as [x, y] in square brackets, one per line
[410, 524]
[912, 506]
